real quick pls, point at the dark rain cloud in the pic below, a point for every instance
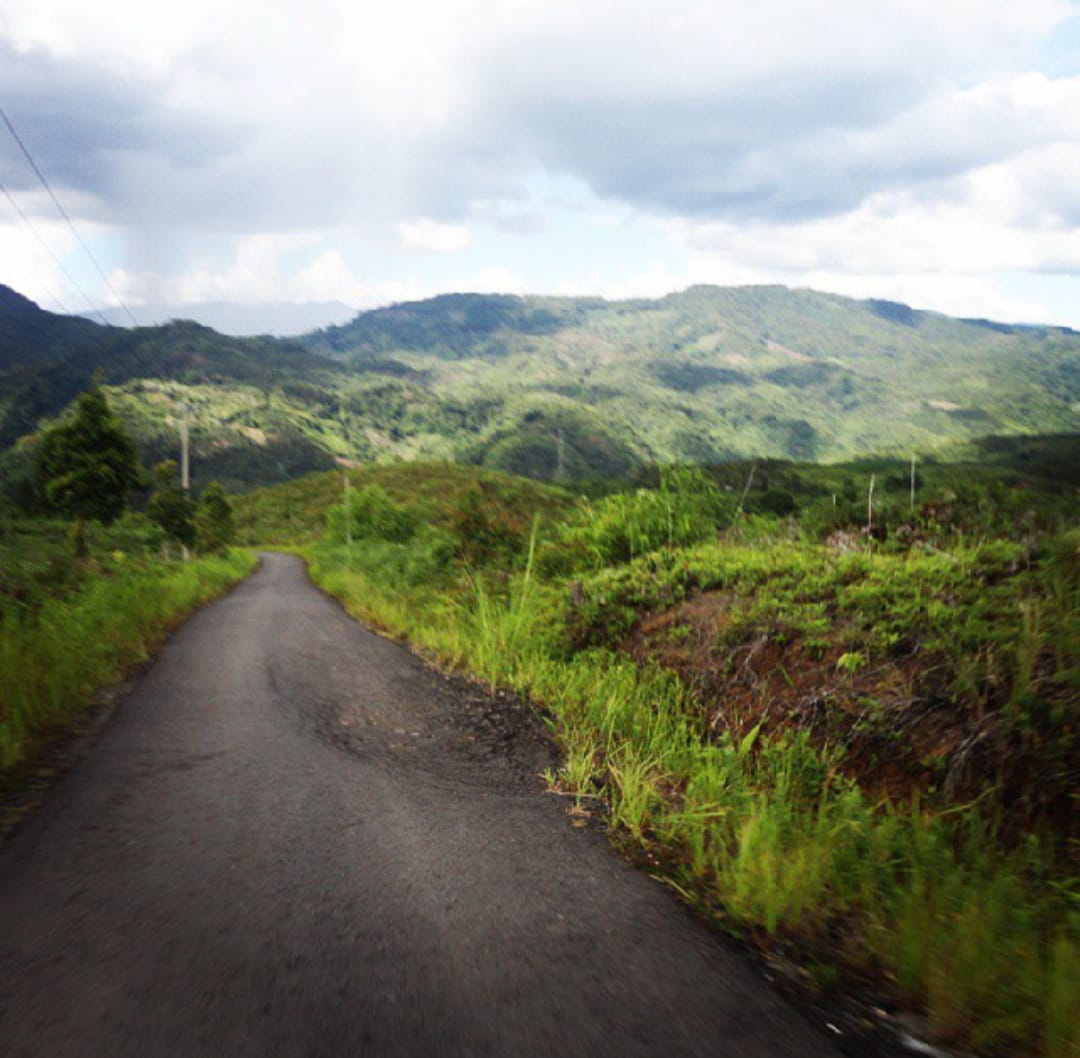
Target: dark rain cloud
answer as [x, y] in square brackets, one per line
[85, 125]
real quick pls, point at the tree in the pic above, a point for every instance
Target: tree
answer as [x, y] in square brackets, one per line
[170, 506]
[213, 520]
[87, 465]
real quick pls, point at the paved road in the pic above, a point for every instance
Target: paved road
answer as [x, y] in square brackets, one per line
[293, 839]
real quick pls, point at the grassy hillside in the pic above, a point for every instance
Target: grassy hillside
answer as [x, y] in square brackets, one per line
[712, 373]
[296, 511]
[554, 388]
[858, 749]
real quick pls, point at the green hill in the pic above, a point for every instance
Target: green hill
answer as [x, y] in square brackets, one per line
[554, 388]
[712, 373]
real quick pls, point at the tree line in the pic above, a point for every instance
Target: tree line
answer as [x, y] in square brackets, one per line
[87, 468]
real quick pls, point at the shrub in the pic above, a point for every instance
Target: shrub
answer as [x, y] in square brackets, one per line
[214, 530]
[618, 528]
[373, 514]
[170, 506]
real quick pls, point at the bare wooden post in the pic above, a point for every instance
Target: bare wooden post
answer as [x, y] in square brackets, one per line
[185, 463]
[911, 507]
[745, 491]
[870, 508]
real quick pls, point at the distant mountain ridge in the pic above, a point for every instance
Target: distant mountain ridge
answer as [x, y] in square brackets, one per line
[559, 387]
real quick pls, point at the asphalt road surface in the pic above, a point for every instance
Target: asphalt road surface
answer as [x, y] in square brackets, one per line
[294, 839]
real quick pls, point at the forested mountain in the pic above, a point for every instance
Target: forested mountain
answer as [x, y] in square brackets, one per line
[714, 372]
[46, 360]
[556, 387]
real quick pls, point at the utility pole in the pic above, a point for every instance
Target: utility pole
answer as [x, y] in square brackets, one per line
[911, 506]
[185, 462]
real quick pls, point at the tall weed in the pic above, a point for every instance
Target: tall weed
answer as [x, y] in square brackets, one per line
[52, 661]
[768, 831]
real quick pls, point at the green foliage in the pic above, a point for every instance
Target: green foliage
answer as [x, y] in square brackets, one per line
[87, 465]
[375, 515]
[620, 527]
[214, 529]
[560, 389]
[69, 625]
[962, 908]
[170, 506]
[485, 529]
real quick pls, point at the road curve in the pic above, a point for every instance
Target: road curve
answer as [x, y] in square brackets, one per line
[294, 839]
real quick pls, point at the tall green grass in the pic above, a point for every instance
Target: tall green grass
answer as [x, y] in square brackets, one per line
[54, 658]
[770, 835]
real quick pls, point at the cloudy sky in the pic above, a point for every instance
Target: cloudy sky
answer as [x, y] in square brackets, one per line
[249, 150]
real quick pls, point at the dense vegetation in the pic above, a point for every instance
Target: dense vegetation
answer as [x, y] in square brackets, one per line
[87, 465]
[855, 742]
[95, 588]
[80, 603]
[834, 705]
[561, 389]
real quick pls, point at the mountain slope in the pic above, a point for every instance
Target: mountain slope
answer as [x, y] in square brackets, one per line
[712, 372]
[47, 359]
[558, 387]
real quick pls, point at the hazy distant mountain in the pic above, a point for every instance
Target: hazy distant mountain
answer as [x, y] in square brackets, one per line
[557, 387]
[232, 318]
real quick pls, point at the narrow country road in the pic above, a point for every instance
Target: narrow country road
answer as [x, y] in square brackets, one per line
[294, 839]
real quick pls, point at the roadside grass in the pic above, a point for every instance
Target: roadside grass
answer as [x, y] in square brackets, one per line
[72, 624]
[771, 837]
[945, 907]
[752, 793]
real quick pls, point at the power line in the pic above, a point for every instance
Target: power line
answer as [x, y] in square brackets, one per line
[48, 286]
[64, 214]
[56, 260]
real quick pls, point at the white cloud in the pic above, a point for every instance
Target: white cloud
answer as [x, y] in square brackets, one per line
[41, 280]
[901, 144]
[433, 236]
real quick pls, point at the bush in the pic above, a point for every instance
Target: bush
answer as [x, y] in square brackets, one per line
[485, 529]
[618, 528]
[170, 506]
[214, 530]
[373, 514]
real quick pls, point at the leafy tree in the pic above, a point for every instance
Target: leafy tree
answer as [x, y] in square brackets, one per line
[374, 514]
[170, 506]
[88, 464]
[214, 528]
